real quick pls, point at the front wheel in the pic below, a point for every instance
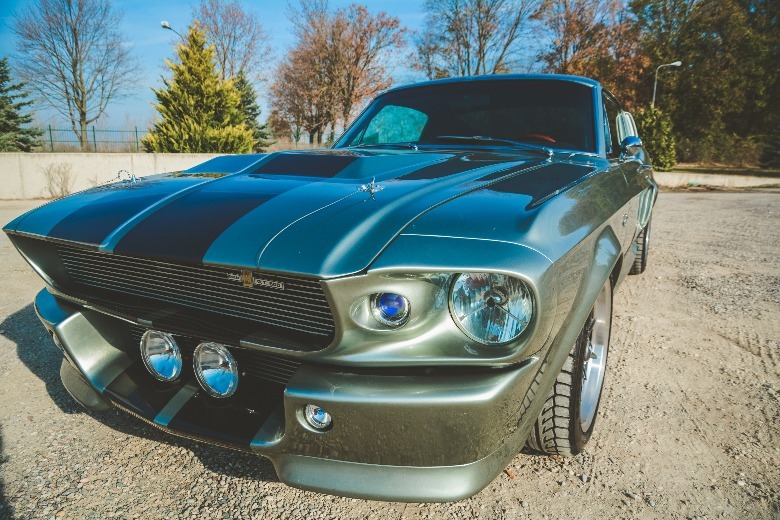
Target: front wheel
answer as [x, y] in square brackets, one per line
[569, 413]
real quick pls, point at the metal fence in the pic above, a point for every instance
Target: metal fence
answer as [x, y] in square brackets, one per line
[65, 140]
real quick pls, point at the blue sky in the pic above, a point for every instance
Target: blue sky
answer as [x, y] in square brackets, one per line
[152, 44]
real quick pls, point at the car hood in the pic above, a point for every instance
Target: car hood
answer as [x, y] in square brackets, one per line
[321, 213]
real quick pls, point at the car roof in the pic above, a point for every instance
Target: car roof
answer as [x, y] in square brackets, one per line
[501, 77]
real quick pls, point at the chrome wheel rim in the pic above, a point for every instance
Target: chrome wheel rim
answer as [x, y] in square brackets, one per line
[595, 362]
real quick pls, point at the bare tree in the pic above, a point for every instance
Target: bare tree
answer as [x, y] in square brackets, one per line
[302, 94]
[72, 55]
[581, 33]
[338, 62]
[363, 42]
[240, 42]
[468, 37]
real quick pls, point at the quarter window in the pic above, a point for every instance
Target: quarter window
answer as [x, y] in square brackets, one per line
[611, 140]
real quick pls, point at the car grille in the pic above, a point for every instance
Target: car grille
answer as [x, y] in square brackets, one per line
[300, 308]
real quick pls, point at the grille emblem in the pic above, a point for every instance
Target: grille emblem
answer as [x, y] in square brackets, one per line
[248, 279]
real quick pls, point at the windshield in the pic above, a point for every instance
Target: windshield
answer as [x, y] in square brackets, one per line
[555, 114]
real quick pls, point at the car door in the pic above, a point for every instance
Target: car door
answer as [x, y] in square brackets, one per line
[626, 219]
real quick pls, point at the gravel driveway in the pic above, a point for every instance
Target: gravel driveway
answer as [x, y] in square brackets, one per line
[689, 425]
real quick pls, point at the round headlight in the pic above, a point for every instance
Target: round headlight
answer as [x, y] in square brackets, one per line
[161, 355]
[390, 309]
[491, 308]
[215, 369]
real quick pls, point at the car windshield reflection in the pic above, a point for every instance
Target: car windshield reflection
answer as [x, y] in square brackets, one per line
[525, 113]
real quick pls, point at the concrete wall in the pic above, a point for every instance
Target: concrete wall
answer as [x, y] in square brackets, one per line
[23, 175]
[679, 180]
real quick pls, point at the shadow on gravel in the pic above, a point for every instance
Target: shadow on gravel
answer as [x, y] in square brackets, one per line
[6, 511]
[41, 356]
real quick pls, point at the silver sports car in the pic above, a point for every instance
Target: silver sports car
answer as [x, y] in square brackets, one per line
[392, 318]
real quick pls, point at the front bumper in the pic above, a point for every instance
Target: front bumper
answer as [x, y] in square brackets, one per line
[398, 434]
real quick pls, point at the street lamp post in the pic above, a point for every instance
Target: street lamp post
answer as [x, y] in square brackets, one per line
[655, 83]
[166, 25]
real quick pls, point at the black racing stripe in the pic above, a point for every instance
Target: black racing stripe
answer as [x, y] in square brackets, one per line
[234, 420]
[500, 173]
[92, 223]
[136, 390]
[442, 169]
[186, 228]
[543, 181]
[224, 164]
[307, 165]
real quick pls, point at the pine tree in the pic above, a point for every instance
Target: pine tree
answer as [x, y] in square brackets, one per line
[249, 107]
[14, 138]
[200, 113]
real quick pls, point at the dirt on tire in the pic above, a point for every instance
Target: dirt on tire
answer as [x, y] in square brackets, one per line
[689, 423]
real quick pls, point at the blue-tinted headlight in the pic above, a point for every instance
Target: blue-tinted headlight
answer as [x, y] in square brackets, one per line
[390, 309]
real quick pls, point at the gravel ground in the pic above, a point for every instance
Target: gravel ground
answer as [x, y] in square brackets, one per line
[689, 425]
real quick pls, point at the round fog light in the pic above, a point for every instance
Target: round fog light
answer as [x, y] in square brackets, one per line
[161, 355]
[215, 369]
[316, 417]
[390, 309]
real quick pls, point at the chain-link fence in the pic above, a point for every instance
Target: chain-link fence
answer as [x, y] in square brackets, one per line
[65, 140]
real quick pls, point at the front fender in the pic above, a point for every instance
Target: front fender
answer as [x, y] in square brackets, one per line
[581, 274]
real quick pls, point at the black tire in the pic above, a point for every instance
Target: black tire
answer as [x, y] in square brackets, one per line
[642, 250]
[565, 424]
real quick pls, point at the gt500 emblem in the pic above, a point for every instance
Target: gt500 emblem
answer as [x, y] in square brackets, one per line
[249, 280]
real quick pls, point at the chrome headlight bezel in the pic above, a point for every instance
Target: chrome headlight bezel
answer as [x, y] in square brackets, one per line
[496, 301]
[228, 366]
[172, 351]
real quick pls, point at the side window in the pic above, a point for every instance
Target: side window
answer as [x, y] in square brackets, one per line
[611, 112]
[394, 124]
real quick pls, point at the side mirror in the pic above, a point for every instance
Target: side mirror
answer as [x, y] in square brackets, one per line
[630, 147]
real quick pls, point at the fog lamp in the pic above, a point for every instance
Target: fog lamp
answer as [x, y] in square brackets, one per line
[215, 369]
[316, 417]
[390, 309]
[161, 355]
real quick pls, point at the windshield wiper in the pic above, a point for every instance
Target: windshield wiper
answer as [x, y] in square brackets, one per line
[387, 145]
[494, 140]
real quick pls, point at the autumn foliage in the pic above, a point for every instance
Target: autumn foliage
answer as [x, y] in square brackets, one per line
[338, 63]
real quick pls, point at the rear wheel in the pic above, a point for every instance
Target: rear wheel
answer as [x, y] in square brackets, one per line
[569, 414]
[642, 250]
